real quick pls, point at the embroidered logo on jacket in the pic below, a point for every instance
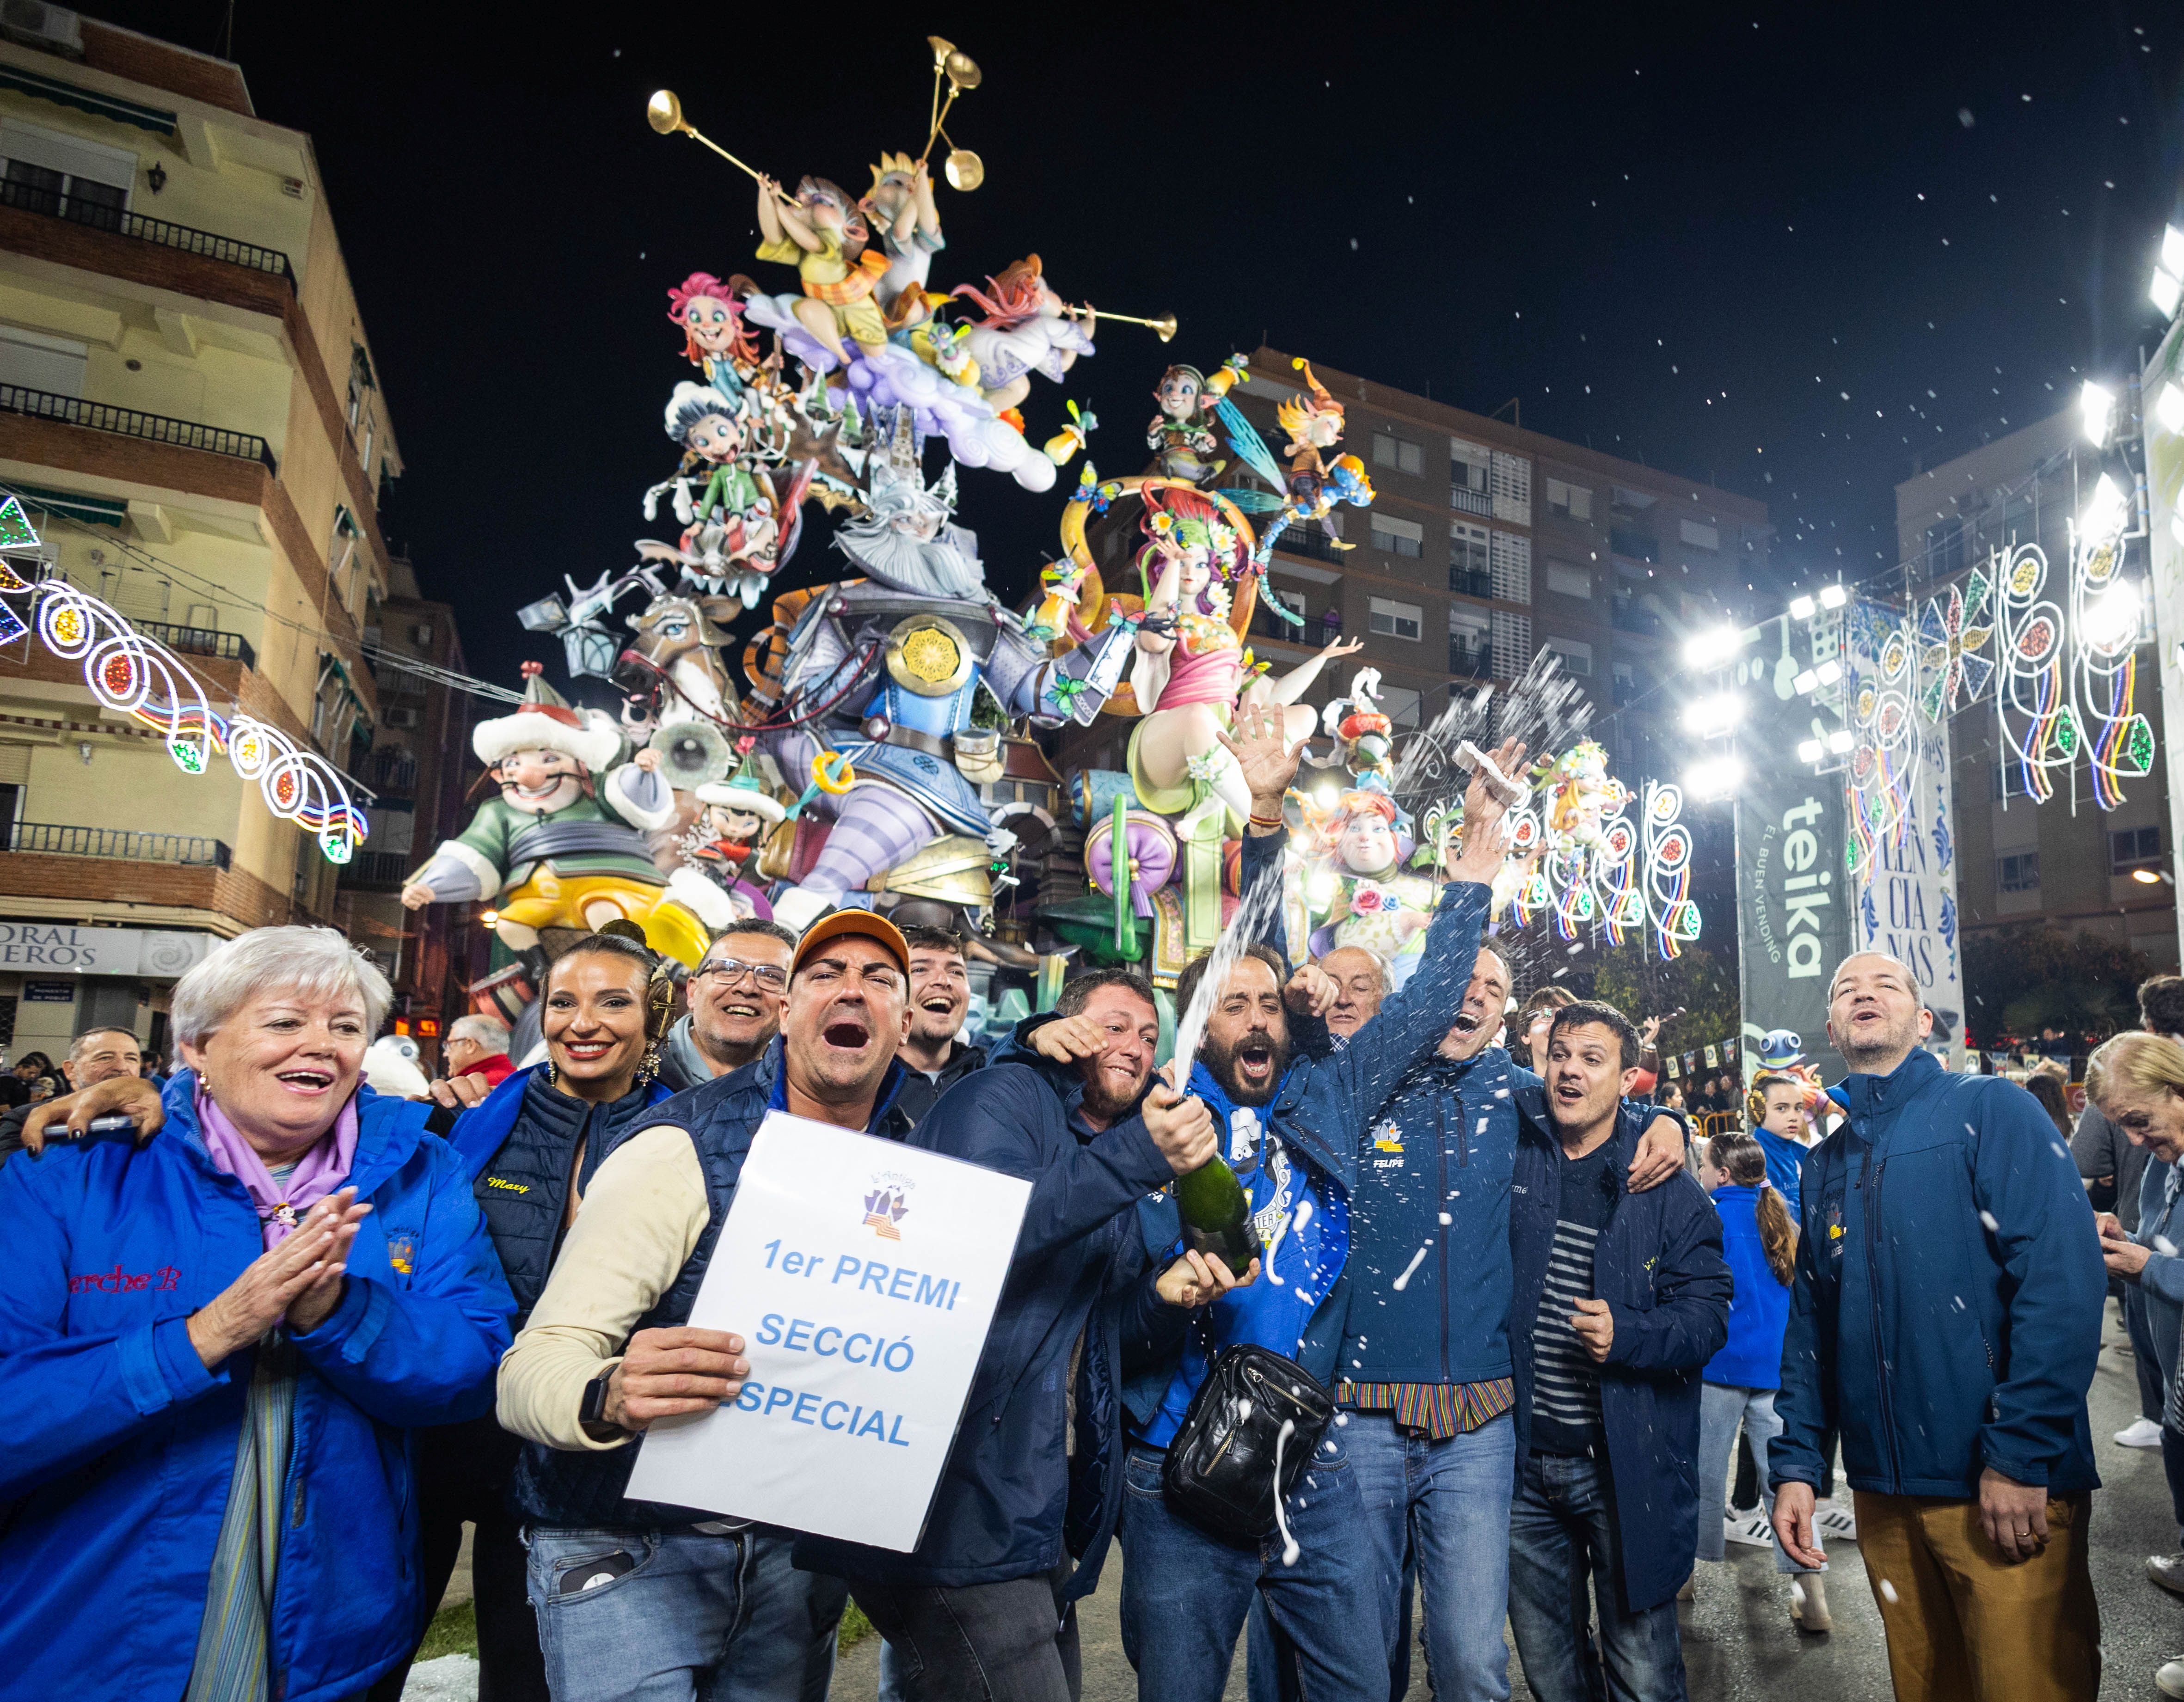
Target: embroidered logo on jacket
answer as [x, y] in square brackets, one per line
[402, 1253]
[512, 1186]
[120, 1281]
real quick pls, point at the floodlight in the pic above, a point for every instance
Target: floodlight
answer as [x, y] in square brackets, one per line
[2172, 250]
[1716, 777]
[2168, 408]
[1809, 751]
[1840, 741]
[1829, 672]
[2104, 514]
[2113, 617]
[2146, 877]
[2176, 524]
[1833, 596]
[2165, 291]
[1806, 682]
[1800, 607]
[1715, 649]
[2098, 404]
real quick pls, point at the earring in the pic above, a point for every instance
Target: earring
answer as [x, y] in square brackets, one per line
[647, 1067]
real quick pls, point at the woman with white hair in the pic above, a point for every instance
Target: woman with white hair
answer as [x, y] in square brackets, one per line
[213, 1345]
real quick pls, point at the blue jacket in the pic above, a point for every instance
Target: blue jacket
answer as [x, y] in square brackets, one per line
[1946, 1313]
[121, 1444]
[1786, 1167]
[1658, 1265]
[1009, 1497]
[1761, 1308]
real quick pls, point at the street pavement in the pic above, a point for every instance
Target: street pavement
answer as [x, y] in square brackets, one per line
[1738, 1638]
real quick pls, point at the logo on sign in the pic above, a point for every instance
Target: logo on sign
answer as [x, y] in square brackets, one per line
[887, 1203]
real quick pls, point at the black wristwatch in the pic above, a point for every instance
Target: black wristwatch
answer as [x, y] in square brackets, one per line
[591, 1415]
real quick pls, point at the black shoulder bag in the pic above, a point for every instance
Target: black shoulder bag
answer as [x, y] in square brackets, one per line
[1220, 1473]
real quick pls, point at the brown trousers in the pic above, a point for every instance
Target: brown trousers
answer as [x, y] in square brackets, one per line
[1965, 1625]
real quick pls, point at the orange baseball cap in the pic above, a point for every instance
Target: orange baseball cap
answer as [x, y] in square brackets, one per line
[832, 926]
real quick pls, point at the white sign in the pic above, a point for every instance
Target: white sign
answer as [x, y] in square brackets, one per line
[861, 1275]
[101, 951]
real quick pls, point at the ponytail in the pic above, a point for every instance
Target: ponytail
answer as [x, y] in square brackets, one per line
[1777, 1235]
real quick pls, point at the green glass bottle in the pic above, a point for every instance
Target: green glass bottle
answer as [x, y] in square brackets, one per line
[1217, 1216]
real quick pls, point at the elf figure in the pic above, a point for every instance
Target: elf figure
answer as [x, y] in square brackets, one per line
[563, 845]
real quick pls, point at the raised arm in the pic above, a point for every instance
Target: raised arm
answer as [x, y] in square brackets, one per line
[1293, 685]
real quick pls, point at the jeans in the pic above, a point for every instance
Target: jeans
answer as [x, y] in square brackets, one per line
[1720, 1407]
[2144, 1359]
[1008, 1642]
[1563, 1526]
[1442, 1506]
[1186, 1595]
[677, 1615]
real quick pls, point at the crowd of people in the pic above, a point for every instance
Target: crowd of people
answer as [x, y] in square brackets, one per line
[272, 1339]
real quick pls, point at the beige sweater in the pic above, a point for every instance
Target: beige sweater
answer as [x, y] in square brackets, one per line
[637, 1227]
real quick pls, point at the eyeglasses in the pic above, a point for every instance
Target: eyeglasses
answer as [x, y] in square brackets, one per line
[771, 976]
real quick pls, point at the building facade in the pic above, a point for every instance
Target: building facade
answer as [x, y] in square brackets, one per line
[2064, 862]
[190, 411]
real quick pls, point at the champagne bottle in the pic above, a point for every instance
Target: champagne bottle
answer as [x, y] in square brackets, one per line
[1217, 1216]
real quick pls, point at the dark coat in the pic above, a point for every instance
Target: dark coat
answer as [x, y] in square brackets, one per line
[919, 1095]
[1658, 1265]
[1946, 1312]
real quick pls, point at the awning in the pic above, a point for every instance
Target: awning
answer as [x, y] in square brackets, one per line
[102, 511]
[86, 100]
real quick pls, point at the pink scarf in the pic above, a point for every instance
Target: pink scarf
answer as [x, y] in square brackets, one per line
[280, 1206]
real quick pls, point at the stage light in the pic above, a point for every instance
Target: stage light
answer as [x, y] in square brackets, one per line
[1800, 607]
[1809, 751]
[1840, 741]
[2112, 618]
[1712, 717]
[1715, 649]
[2168, 408]
[1829, 672]
[1806, 682]
[1716, 777]
[1833, 596]
[2104, 514]
[2165, 293]
[2098, 405]
[2172, 249]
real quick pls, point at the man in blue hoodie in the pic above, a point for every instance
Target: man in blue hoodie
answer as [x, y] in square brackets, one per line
[1945, 1319]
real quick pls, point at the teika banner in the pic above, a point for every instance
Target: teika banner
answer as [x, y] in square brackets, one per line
[862, 1276]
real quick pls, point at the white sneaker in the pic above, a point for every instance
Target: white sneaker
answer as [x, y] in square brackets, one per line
[1753, 1531]
[2140, 1432]
[1832, 1521]
[2168, 1572]
[2168, 1677]
[1809, 1603]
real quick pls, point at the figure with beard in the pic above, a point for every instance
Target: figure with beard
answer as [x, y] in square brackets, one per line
[983, 1605]
[891, 671]
[1292, 1128]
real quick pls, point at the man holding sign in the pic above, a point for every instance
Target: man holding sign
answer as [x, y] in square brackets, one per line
[609, 1352]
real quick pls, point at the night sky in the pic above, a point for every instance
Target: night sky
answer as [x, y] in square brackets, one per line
[1786, 254]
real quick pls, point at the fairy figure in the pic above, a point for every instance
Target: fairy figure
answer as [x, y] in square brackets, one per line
[1190, 664]
[824, 236]
[733, 526]
[900, 210]
[1180, 435]
[1028, 328]
[1314, 423]
[715, 337]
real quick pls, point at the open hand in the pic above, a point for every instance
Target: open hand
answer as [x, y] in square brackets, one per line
[665, 1373]
[1194, 1280]
[1660, 1154]
[130, 1096]
[1793, 1525]
[1259, 741]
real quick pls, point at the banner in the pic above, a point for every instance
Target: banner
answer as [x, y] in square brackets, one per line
[1905, 899]
[862, 1275]
[1792, 909]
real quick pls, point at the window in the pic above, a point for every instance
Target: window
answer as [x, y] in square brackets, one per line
[1512, 489]
[2018, 872]
[1577, 657]
[1944, 547]
[1566, 580]
[1470, 567]
[1394, 451]
[1572, 502]
[2134, 848]
[65, 176]
[1470, 641]
[1699, 536]
[342, 547]
[38, 362]
[1634, 544]
[1513, 644]
[359, 380]
[1512, 568]
[2009, 778]
[370, 430]
[1397, 620]
[1470, 471]
[1396, 535]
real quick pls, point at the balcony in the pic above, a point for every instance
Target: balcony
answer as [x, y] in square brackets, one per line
[1466, 500]
[1311, 542]
[127, 422]
[395, 770]
[377, 871]
[183, 239]
[200, 641]
[55, 839]
[1628, 617]
[1471, 581]
[1470, 661]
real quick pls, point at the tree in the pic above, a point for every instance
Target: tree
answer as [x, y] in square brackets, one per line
[2019, 980]
[1634, 980]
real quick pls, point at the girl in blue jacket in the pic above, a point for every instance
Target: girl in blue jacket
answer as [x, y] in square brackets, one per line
[1760, 1242]
[213, 1345]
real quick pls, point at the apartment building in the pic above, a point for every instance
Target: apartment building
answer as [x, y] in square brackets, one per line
[190, 410]
[1486, 542]
[2082, 869]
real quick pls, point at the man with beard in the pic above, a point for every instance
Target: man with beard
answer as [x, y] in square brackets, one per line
[982, 1607]
[1945, 1319]
[932, 1059]
[886, 672]
[703, 1604]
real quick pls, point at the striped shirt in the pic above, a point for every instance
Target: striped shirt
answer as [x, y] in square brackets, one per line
[1565, 1380]
[1435, 1409]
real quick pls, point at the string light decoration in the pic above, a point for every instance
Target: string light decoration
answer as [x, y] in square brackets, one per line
[1597, 871]
[139, 677]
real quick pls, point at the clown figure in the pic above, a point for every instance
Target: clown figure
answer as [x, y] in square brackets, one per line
[1360, 893]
